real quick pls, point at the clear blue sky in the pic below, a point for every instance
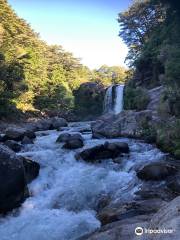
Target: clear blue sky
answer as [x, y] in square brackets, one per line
[88, 28]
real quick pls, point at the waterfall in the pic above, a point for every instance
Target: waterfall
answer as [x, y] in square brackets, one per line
[113, 101]
[108, 100]
[118, 106]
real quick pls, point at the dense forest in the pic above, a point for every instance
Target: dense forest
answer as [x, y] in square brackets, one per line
[36, 77]
[151, 29]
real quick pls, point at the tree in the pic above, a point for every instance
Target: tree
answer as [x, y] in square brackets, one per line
[109, 75]
[137, 24]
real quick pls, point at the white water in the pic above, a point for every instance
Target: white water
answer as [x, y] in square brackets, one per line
[118, 107]
[114, 105]
[65, 196]
[108, 100]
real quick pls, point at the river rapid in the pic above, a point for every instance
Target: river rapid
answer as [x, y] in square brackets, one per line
[64, 198]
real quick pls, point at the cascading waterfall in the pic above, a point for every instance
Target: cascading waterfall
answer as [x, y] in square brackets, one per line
[108, 100]
[118, 106]
[113, 101]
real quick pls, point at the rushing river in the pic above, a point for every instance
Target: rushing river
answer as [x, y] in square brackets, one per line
[65, 196]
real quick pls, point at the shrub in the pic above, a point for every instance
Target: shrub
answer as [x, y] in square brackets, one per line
[135, 98]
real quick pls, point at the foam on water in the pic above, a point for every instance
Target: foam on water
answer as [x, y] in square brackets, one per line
[65, 196]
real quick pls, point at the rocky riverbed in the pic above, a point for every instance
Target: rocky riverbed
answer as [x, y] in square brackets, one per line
[64, 184]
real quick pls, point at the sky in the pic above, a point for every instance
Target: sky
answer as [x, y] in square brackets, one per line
[87, 28]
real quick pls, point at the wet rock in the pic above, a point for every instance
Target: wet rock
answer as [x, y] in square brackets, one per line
[103, 201]
[149, 206]
[120, 230]
[26, 140]
[108, 216]
[151, 190]
[42, 125]
[168, 217]
[156, 171]
[57, 123]
[13, 188]
[174, 184]
[127, 123]
[63, 137]
[15, 146]
[103, 151]
[96, 153]
[17, 134]
[76, 136]
[31, 168]
[74, 141]
[73, 144]
[117, 146]
[116, 212]
[50, 124]
[119, 221]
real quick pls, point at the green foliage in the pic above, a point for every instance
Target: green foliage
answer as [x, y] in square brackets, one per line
[138, 23]
[33, 74]
[135, 98]
[148, 132]
[151, 30]
[109, 75]
[89, 98]
[168, 137]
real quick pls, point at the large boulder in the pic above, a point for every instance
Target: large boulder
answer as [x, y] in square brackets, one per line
[13, 188]
[121, 147]
[103, 151]
[75, 141]
[42, 125]
[31, 168]
[15, 146]
[72, 141]
[120, 222]
[168, 218]
[57, 123]
[127, 124]
[156, 171]
[73, 144]
[63, 137]
[18, 133]
[119, 230]
[120, 211]
[49, 124]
